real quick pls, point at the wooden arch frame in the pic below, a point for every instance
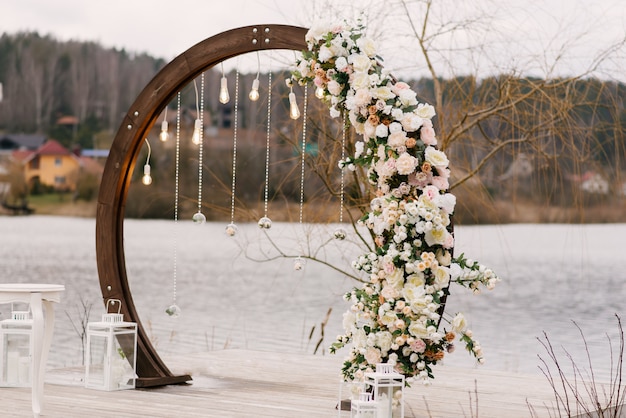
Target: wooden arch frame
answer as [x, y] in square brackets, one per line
[123, 155]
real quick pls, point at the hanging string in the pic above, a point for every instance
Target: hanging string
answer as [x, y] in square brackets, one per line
[174, 310]
[231, 228]
[199, 217]
[300, 262]
[303, 152]
[340, 233]
[265, 222]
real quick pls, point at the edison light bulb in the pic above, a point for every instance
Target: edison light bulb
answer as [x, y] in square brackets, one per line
[254, 92]
[146, 179]
[164, 135]
[294, 111]
[224, 96]
[319, 92]
[196, 138]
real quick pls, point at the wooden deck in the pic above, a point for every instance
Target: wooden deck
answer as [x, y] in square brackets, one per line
[241, 383]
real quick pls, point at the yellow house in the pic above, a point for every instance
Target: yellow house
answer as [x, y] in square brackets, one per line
[51, 164]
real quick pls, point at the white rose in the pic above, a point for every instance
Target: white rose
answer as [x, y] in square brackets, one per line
[383, 93]
[397, 139]
[360, 62]
[442, 276]
[360, 80]
[418, 330]
[447, 202]
[436, 158]
[407, 97]
[367, 45]
[359, 146]
[424, 110]
[406, 163]
[316, 33]
[411, 122]
[395, 127]
[384, 340]
[382, 130]
[341, 63]
[334, 88]
[325, 54]
[459, 323]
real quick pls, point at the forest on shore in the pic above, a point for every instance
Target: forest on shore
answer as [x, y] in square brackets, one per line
[524, 149]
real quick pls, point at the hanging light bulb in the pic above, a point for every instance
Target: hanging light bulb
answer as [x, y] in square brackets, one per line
[224, 96]
[319, 92]
[146, 179]
[294, 111]
[164, 135]
[254, 92]
[196, 138]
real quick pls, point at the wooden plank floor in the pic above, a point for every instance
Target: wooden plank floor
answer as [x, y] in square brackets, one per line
[242, 383]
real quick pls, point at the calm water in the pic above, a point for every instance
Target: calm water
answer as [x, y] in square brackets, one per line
[552, 275]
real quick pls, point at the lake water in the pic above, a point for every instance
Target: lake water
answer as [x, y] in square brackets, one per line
[551, 275]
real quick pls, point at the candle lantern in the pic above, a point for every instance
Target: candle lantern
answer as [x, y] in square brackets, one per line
[387, 388]
[16, 350]
[111, 351]
[364, 407]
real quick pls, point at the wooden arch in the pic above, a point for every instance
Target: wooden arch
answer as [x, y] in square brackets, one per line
[123, 155]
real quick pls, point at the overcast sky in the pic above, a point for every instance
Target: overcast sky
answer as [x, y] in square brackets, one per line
[527, 34]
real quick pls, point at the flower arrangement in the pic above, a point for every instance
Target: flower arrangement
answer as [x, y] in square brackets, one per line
[396, 315]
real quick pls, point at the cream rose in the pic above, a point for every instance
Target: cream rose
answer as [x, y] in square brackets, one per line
[406, 163]
[367, 45]
[436, 158]
[360, 62]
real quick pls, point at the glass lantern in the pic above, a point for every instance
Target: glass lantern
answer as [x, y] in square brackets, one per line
[364, 407]
[111, 352]
[16, 350]
[387, 388]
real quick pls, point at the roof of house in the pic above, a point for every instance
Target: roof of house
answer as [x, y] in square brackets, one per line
[21, 141]
[50, 147]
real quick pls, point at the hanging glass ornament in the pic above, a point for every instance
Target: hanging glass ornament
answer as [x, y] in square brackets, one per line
[340, 234]
[231, 229]
[198, 218]
[173, 311]
[299, 263]
[265, 223]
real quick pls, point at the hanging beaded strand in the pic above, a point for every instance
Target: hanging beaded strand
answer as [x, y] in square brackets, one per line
[340, 232]
[199, 217]
[265, 222]
[174, 309]
[231, 228]
[299, 261]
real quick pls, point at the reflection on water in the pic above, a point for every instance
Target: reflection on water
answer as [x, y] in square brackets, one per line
[552, 275]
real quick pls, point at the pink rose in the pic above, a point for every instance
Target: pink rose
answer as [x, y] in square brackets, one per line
[427, 133]
[440, 182]
[418, 346]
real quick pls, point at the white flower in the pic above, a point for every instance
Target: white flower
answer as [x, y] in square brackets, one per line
[425, 111]
[325, 54]
[447, 202]
[316, 33]
[435, 157]
[367, 45]
[341, 63]
[360, 62]
[459, 323]
[406, 164]
[334, 87]
[381, 130]
[360, 80]
[411, 122]
[358, 146]
[383, 93]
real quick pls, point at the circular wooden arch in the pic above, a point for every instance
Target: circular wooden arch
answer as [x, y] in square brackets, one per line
[123, 156]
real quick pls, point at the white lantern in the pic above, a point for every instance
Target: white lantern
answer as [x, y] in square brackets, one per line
[111, 352]
[364, 407]
[16, 350]
[387, 389]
